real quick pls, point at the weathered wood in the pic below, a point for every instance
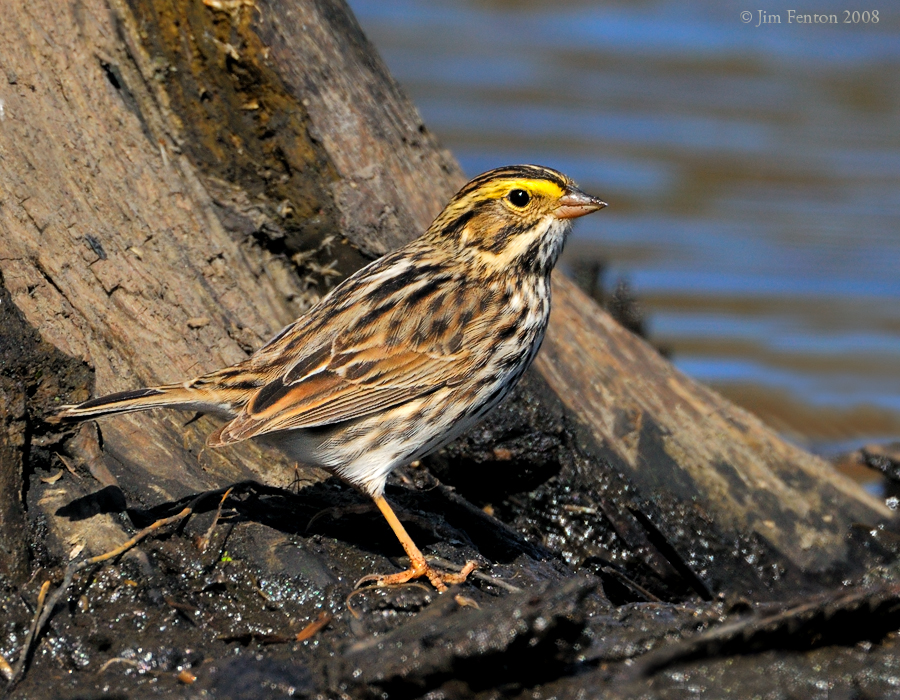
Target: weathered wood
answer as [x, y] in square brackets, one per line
[111, 246]
[677, 439]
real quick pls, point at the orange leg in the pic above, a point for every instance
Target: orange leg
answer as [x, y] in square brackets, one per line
[417, 565]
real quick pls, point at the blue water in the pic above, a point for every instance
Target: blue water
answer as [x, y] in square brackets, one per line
[753, 175]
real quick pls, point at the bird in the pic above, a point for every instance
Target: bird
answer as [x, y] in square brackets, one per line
[405, 354]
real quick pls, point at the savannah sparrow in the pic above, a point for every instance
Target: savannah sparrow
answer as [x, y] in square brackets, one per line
[404, 355]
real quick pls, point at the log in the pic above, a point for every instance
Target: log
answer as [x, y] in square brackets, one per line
[676, 439]
[180, 180]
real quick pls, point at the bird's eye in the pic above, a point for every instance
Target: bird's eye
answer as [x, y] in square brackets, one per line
[518, 198]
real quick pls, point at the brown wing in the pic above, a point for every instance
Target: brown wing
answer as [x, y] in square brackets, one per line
[352, 384]
[380, 360]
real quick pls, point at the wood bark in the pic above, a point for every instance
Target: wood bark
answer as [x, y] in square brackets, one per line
[180, 180]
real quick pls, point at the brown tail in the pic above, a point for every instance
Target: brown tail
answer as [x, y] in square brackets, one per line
[171, 396]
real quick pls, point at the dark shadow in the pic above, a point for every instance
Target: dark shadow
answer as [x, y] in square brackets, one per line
[109, 499]
[334, 509]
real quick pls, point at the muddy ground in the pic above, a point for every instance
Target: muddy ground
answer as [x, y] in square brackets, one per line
[578, 595]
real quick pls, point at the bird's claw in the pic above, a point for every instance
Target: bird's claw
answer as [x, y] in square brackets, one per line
[439, 579]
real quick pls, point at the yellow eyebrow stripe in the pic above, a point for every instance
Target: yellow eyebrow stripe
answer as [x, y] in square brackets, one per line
[540, 187]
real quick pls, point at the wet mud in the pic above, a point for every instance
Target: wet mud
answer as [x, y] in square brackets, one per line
[585, 587]
[583, 590]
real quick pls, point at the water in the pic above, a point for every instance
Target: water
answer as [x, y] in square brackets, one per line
[753, 176]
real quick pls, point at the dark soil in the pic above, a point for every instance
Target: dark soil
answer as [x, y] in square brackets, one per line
[579, 593]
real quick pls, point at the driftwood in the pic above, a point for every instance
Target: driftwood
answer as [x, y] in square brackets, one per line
[180, 180]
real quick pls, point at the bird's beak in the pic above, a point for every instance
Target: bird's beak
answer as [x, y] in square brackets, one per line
[575, 203]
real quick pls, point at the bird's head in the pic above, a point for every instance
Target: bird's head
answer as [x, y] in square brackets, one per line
[515, 217]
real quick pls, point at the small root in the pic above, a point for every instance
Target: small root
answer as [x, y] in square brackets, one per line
[359, 591]
[319, 623]
[117, 660]
[204, 541]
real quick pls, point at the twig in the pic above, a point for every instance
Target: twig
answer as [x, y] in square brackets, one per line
[323, 619]
[204, 541]
[44, 610]
[466, 602]
[359, 591]
[117, 660]
[128, 544]
[68, 465]
[37, 623]
[186, 677]
[633, 585]
[39, 608]
[5, 668]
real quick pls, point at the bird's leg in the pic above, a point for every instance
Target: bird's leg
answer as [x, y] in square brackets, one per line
[417, 565]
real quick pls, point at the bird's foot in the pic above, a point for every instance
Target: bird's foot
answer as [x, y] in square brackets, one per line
[420, 568]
